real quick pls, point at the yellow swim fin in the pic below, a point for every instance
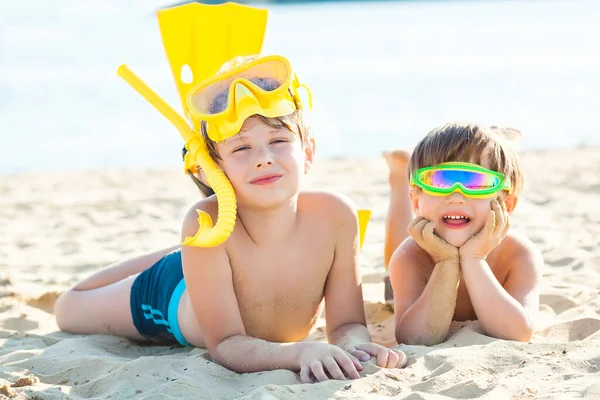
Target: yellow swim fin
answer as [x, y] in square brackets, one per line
[199, 38]
[364, 216]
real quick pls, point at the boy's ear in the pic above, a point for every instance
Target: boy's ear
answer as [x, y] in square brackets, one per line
[511, 202]
[414, 201]
[309, 154]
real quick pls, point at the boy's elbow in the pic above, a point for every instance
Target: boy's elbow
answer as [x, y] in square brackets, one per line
[231, 354]
[403, 338]
[227, 362]
[420, 341]
[218, 358]
[518, 332]
[61, 311]
[524, 334]
[414, 338]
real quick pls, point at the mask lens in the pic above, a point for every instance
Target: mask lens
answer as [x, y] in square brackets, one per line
[471, 180]
[268, 76]
[219, 102]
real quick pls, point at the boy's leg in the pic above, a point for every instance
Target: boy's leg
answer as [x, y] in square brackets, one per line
[122, 269]
[399, 212]
[102, 310]
[101, 302]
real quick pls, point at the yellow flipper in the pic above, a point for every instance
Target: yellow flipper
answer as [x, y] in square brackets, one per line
[363, 220]
[199, 38]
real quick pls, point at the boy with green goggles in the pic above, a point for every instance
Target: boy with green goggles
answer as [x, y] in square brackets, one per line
[471, 180]
[460, 261]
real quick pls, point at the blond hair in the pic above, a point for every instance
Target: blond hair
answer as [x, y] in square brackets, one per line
[472, 143]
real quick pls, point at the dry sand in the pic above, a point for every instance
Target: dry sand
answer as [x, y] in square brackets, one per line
[56, 228]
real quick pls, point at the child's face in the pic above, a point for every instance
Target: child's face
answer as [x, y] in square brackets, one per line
[472, 212]
[265, 165]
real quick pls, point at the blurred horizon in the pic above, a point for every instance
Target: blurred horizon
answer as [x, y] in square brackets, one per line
[382, 74]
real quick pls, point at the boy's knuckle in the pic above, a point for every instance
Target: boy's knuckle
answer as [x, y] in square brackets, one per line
[345, 362]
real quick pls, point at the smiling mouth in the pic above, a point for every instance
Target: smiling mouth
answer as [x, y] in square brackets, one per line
[265, 180]
[455, 221]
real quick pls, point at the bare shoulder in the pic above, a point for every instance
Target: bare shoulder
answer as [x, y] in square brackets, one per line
[516, 244]
[518, 251]
[409, 255]
[190, 221]
[326, 203]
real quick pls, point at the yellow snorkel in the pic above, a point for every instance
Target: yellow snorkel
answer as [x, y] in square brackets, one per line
[207, 235]
[198, 39]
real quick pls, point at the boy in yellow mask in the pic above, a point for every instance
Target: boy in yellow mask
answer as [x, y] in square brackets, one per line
[251, 299]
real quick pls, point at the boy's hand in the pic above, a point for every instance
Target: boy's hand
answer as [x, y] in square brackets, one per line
[421, 230]
[492, 233]
[386, 358]
[325, 361]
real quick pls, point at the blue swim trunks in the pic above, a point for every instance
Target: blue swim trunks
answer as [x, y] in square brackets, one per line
[155, 296]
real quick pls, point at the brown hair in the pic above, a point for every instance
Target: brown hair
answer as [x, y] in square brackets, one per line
[472, 143]
[295, 122]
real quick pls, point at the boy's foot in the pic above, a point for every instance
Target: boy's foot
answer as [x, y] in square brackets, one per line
[512, 134]
[397, 161]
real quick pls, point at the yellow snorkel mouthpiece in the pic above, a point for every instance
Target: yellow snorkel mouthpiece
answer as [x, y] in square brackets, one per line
[207, 235]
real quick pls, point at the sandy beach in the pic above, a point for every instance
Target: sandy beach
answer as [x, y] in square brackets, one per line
[58, 227]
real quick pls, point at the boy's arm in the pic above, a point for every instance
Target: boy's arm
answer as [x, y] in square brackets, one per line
[344, 309]
[507, 312]
[209, 282]
[423, 310]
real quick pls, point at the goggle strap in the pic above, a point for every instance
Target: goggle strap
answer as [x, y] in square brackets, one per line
[309, 95]
[294, 86]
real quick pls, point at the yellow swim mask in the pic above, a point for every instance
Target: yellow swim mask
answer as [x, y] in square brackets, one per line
[266, 86]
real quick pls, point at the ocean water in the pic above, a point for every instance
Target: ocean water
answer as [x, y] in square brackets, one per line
[382, 75]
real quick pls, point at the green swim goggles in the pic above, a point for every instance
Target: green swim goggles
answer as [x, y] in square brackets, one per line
[471, 179]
